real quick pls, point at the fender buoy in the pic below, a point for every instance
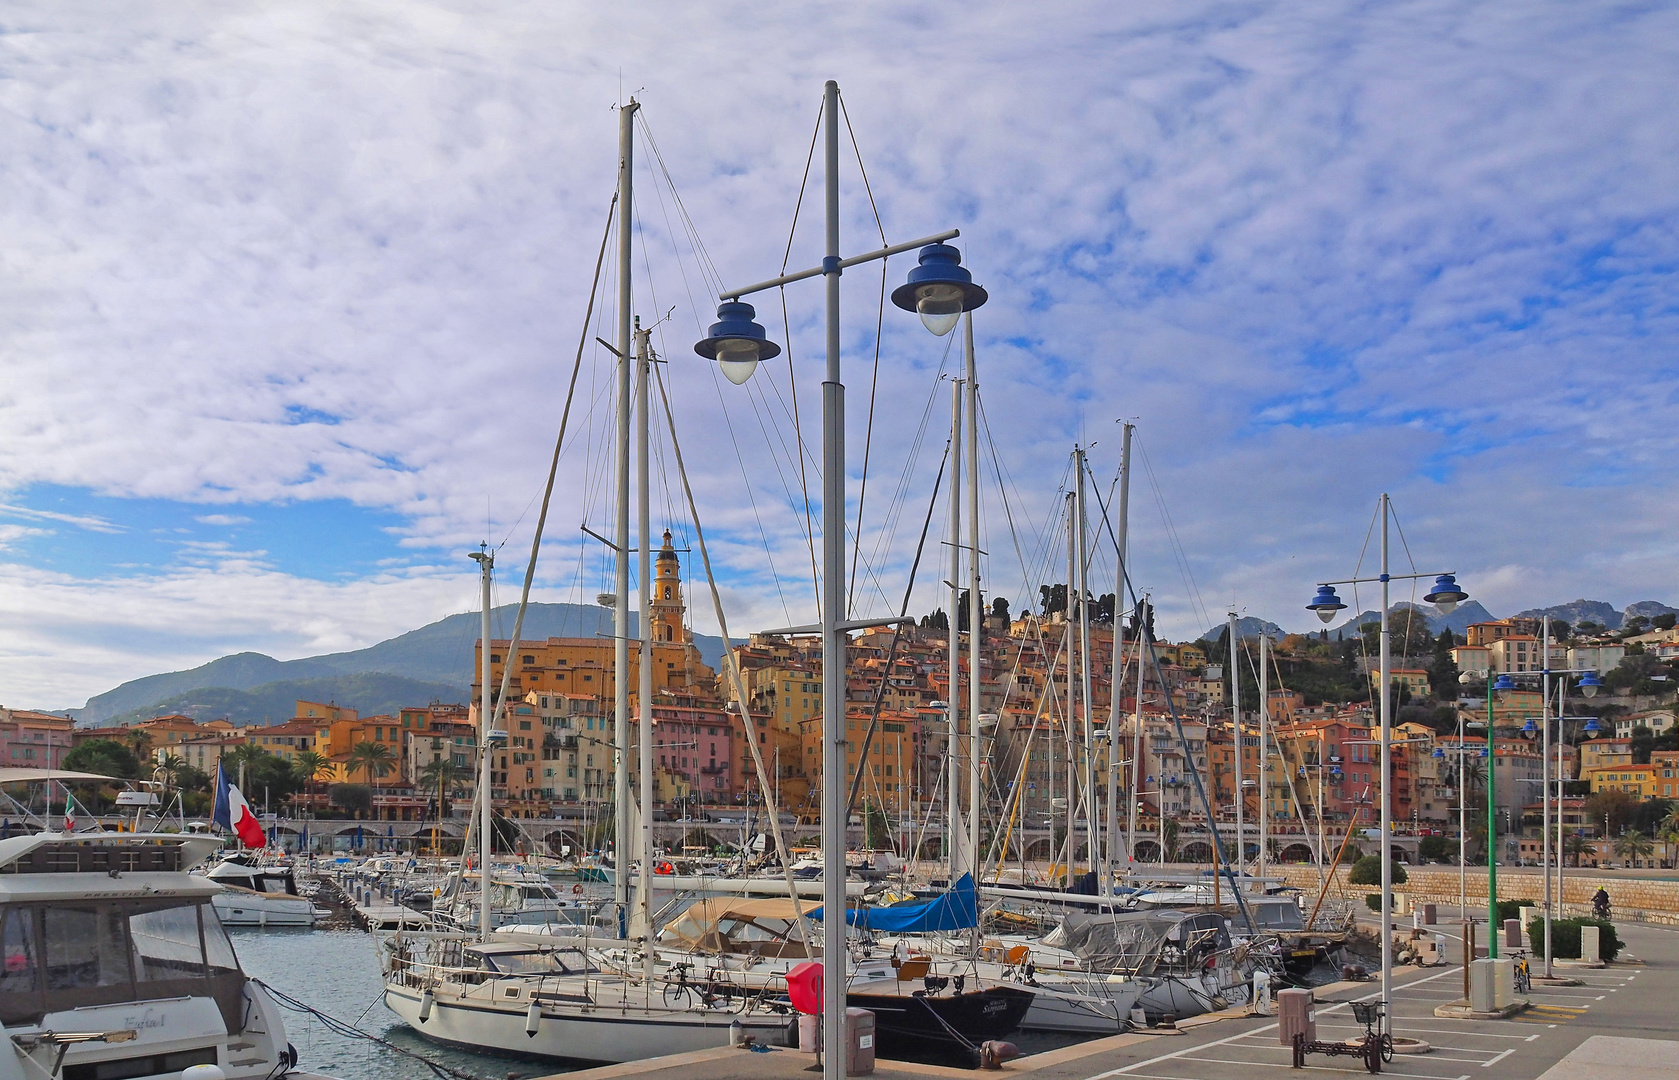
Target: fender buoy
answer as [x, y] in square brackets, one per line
[577, 889]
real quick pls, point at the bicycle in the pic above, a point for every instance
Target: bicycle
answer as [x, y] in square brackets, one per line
[1524, 975]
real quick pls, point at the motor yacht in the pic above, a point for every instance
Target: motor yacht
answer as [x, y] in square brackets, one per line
[254, 895]
[114, 964]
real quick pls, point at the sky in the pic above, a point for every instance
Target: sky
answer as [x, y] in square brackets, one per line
[291, 296]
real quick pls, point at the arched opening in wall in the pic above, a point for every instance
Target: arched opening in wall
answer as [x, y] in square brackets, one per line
[1038, 849]
[1147, 851]
[1399, 854]
[1196, 851]
[1295, 853]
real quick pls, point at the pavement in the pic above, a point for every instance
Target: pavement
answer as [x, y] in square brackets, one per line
[1618, 1023]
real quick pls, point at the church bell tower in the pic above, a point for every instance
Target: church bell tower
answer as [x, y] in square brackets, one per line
[668, 608]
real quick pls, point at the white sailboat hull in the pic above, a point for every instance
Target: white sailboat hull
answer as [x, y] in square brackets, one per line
[607, 1033]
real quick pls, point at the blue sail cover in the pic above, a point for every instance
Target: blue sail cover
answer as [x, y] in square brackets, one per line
[957, 909]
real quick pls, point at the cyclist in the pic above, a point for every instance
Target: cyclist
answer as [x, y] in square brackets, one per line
[1600, 904]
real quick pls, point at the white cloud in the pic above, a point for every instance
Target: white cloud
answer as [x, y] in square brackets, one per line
[222, 519]
[300, 251]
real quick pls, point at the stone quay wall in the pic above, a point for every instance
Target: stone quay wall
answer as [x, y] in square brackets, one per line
[1630, 898]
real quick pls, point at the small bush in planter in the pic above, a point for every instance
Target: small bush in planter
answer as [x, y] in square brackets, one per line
[1368, 871]
[1373, 901]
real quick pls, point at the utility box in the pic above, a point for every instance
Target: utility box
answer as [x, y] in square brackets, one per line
[1295, 1016]
[1503, 982]
[1426, 914]
[810, 1032]
[859, 1042]
[1591, 943]
[1528, 915]
[1481, 995]
[1512, 933]
[1401, 903]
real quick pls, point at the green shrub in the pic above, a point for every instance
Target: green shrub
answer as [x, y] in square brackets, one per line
[1436, 847]
[1512, 909]
[1373, 901]
[1368, 871]
[1565, 937]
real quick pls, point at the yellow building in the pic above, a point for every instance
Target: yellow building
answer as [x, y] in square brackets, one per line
[1639, 781]
[889, 779]
[1413, 679]
[585, 665]
[315, 710]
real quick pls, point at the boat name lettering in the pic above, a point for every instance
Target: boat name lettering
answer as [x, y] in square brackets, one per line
[149, 1020]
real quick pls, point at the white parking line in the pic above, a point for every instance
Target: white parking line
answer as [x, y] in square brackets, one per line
[1188, 1050]
[1499, 1058]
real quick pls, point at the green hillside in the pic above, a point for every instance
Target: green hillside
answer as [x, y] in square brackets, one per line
[371, 694]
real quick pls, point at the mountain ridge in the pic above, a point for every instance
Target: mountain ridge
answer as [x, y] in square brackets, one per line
[437, 654]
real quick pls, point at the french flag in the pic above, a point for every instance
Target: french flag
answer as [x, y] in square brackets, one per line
[234, 814]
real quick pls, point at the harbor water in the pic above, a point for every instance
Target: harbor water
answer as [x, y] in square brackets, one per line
[337, 972]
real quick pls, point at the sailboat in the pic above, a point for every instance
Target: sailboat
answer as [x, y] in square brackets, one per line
[555, 998]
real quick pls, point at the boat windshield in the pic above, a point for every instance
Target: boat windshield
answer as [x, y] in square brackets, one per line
[62, 956]
[539, 962]
[1277, 916]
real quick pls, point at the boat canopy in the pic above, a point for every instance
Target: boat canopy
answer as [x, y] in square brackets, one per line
[957, 909]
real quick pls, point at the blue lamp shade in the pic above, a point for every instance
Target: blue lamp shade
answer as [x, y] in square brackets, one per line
[1593, 727]
[737, 342]
[1590, 684]
[1439, 752]
[1335, 771]
[1483, 751]
[1326, 603]
[1503, 682]
[1302, 771]
[1446, 594]
[1530, 728]
[939, 289]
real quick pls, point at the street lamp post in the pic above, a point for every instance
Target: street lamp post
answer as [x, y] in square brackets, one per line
[1446, 595]
[939, 290]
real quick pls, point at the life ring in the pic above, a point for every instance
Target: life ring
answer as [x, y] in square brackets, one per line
[664, 868]
[577, 890]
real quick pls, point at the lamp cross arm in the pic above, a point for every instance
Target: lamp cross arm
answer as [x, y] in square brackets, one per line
[1389, 577]
[855, 260]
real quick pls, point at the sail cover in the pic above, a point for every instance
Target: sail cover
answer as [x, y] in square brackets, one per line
[957, 909]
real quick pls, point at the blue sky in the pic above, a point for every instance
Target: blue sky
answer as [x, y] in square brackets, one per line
[290, 295]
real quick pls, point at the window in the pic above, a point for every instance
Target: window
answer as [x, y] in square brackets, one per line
[86, 946]
[17, 951]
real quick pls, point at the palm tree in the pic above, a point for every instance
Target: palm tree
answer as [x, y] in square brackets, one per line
[308, 765]
[170, 768]
[1634, 846]
[1669, 836]
[374, 759]
[1576, 846]
[441, 774]
[246, 754]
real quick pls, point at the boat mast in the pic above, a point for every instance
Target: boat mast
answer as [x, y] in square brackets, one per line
[1236, 728]
[957, 847]
[1117, 682]
[1069, 847]
[1135, 792]
[644, 529]
[1264, 767]
[1092, 828]
[976, 606]
[486, 561]
[621, 605]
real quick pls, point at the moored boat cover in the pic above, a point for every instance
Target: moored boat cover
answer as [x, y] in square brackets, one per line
[957, 909]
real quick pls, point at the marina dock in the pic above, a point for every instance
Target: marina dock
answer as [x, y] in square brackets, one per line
[1615, 1023]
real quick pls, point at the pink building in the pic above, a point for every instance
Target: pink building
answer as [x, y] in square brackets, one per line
[33, 740]
[694, 738]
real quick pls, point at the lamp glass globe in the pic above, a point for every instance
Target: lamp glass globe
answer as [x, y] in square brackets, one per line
[738, 357]
[1446, 606]
[1326, 615]
[1589, 689]
[940, 307]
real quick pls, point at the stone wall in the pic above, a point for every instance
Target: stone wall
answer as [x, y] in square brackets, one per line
[1630, 898]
